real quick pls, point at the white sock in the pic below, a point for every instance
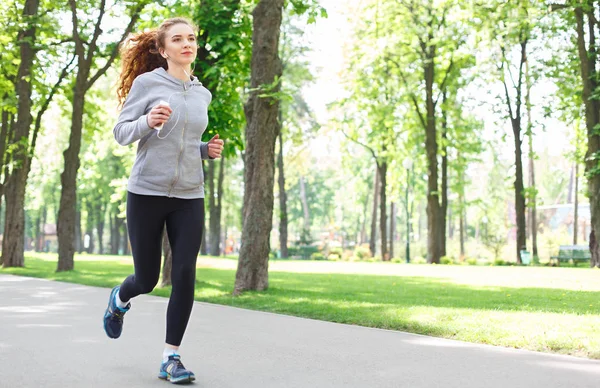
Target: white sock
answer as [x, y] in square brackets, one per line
[120, 303]
[168, 352]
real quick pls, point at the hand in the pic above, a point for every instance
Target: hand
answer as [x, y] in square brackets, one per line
[215, 147]
[158, 115]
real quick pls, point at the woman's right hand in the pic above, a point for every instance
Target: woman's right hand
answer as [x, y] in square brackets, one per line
[158, 115]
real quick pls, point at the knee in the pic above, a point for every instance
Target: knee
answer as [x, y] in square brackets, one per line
[185, 274]
[146, 287]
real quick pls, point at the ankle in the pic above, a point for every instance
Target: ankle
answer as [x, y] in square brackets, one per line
[119, 302]
[169, 351]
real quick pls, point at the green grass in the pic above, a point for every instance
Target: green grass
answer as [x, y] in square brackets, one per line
[544, 309]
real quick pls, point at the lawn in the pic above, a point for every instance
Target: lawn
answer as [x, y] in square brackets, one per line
[537, 308]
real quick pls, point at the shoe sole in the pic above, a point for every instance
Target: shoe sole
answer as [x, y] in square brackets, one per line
[110, 298]
[181, 380]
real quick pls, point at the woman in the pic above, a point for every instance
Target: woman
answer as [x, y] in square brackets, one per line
[165, 108]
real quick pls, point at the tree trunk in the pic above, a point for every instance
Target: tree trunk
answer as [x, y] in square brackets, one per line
[576, 205]
[89, 229]
[363, 227]
[261, 133]
[78, 234]
[126, 245]
[100, 229]
[14, 227]
[213, 222]
[220, 205]
[462, 228]
[519, 189]
[392, 228]
[68, 179]
[533, 196]
[204, 244]
[373, 239]
[444, 152]
[435, 221]
[383, 211]
[283, 217]
[305, 208]
[167, 260]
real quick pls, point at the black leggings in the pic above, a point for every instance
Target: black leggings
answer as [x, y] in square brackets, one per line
[146, 218]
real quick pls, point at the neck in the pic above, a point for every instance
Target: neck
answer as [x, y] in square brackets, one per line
[179, 71]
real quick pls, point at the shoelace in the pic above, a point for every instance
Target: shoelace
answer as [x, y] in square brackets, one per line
[178, 363]
[118, 315]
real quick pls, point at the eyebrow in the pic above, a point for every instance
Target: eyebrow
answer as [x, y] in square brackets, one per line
[179, 36]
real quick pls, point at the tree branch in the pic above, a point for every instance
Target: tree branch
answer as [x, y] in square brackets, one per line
[446, 76]
[79, 49]
[359, 143]
[504, 60]
[506, 92]
[38, 120]
[412, 95]
[97, 32]
[115, 52]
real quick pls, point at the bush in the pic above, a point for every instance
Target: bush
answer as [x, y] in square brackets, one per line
[317, 256]
[499, 262]
[302, 252]
[471, 261]
[334, 257]
[336, 251]
[362, 252]
[418, 260]
[446, 260]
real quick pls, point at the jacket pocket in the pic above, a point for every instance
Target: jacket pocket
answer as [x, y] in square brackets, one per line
[191, 176]
[158, 167]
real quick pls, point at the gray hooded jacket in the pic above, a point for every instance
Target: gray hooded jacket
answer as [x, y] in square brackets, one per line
[169, 162]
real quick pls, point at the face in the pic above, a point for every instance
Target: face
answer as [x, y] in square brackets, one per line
[180, 44]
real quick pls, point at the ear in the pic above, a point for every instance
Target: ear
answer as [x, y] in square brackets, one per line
[163, 53]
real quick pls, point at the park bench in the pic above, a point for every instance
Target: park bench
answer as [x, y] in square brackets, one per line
[576, 253]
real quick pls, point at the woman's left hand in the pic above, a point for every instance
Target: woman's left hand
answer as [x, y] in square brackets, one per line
[215, 147]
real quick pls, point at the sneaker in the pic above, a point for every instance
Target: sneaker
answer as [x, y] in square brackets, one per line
[174, 371]
[113, 317]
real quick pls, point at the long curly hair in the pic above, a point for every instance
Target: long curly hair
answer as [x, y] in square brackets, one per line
[140, 54]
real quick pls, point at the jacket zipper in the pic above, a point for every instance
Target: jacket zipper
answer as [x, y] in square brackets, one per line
[176, 177]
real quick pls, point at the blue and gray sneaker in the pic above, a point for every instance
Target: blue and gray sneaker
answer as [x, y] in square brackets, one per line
[174, 371]
[113, 317]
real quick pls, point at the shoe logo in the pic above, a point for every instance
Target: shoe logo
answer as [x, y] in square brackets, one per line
[170, 368]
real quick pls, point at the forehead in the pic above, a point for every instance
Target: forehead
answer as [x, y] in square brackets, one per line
[180, 29]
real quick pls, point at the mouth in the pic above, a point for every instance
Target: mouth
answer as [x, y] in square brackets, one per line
[187, 53]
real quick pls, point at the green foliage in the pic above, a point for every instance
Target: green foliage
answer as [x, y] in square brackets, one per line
[223, 65]
[446, 260]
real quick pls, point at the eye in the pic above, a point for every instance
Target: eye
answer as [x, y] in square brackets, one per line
[192, 39]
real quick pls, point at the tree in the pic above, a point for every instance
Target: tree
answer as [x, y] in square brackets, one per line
[581, 16]
[21, 140]
[261, 132]
[424, 50]
[87, 54]
[223, 61]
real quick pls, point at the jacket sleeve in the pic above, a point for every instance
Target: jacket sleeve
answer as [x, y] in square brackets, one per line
[132, 123]
[204, 150]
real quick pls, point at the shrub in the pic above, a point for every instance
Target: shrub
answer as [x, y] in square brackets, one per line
[362, 252]
[446, 260]
[499, 262]
[418, 260]
[334, 257]
[471, 261]
[317, 256]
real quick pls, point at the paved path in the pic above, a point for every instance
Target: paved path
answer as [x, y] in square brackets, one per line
[51, 336]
